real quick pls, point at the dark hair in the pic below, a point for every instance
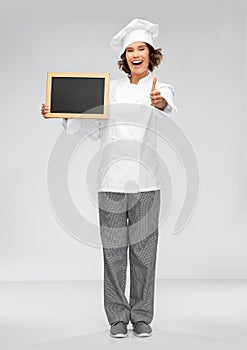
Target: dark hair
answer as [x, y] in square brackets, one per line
[155, 57]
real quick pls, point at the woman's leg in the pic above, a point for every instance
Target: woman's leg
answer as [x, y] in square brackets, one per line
[143, 240]
[113, 230]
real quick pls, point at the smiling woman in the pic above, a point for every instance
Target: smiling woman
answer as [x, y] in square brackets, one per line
[155, 57]
[129, 178]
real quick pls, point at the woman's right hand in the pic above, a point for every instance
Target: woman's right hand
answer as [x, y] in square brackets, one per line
[45, 109]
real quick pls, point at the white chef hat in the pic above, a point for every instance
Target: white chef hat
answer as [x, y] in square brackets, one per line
[136, 30]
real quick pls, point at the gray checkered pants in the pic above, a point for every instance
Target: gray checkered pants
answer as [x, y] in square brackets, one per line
[129, 221]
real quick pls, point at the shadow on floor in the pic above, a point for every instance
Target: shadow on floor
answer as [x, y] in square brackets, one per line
[159, 340]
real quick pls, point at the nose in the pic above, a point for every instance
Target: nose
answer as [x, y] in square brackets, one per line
[135, 53]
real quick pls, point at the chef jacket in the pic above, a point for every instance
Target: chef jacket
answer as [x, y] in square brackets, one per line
[128, 144]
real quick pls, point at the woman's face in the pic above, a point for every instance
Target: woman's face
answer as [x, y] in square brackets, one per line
[137, 56]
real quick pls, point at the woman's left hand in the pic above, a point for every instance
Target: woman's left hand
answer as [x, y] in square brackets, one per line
[156, 99]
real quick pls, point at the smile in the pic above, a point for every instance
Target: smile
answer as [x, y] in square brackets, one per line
[137, 63]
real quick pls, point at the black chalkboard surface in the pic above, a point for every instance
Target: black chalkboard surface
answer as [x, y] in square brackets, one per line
[77, 95]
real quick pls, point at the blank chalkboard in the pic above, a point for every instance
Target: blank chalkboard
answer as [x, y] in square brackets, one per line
[77, 95]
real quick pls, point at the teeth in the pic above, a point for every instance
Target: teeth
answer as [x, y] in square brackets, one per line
[137, 62]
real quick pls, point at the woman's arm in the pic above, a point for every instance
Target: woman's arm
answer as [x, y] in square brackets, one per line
[78, 127]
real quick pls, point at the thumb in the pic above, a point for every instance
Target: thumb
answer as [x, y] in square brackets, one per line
[154, 83]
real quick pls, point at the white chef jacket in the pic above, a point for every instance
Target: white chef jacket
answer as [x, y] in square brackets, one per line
[128, 157]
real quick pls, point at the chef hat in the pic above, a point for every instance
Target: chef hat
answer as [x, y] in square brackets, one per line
[136, 30]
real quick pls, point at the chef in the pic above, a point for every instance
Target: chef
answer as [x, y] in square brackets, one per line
[129, 179]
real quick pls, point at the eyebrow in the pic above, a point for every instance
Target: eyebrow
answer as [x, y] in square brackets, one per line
[130, 47]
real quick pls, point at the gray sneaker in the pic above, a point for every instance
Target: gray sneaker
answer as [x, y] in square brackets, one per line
[118, 330]
[142, 329]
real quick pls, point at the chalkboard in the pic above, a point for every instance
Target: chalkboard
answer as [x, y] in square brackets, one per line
[77, 95]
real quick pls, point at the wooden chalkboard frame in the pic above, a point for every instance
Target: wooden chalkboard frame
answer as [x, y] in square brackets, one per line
[105, 76]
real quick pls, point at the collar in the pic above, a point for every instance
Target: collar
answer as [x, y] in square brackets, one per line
[142, 80]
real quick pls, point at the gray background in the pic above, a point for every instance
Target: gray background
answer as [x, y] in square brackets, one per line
[205, 47]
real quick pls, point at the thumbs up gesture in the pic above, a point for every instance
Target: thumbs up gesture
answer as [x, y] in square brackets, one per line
[156, 99]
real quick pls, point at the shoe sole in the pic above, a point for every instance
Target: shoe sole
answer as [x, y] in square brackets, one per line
[142, 335]
[119, 335]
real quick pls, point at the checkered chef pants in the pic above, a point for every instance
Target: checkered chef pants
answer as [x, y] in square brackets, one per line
[129, 221]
